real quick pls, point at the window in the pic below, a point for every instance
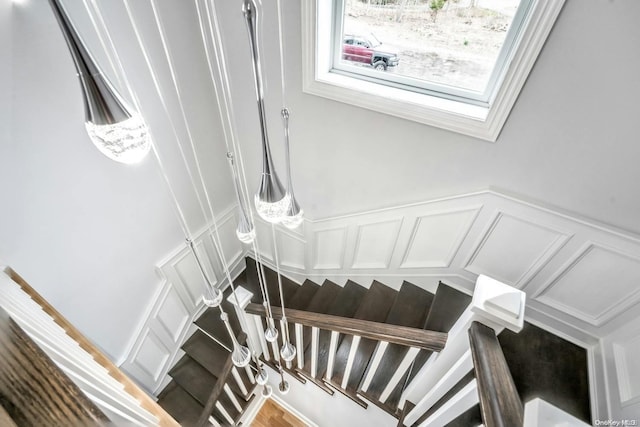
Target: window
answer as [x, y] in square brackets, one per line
[454, 64]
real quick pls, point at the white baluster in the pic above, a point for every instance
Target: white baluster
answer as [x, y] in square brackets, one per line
[352, 355]
[494, 304]
[373, 365]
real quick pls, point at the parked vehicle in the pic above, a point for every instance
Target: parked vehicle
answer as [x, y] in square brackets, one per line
[365, 50]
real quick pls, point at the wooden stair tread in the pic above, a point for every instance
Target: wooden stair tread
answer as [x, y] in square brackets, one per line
[410, 308]
[374, 307]
[447, 306]
[303, 296]
[251, 280]
[194, 378]
[206, 352]
[180, 405]
[289, 287]
[345, 304]
[300, 300]
[210, 321]
[322, 300]
[212, 356]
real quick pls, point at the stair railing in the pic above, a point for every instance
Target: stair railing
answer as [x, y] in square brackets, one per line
[500, 403]
[217, 390]
[495, 305]
[94, 372]
[385, 334]
[34, 390]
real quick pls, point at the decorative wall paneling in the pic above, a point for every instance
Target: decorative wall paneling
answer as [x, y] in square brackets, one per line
[178, 302]
[563, 262]
[622, 367]
[580, 276]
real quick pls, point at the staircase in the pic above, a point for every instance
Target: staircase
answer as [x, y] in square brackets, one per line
[365, 370]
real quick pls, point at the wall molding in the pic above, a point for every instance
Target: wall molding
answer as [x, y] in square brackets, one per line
[177, 303]
[498, 227]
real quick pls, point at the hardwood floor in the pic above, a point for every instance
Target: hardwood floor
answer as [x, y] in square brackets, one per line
[273, 415]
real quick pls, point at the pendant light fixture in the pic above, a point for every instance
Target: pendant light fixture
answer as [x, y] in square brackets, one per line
[271, 200]
[115, 128]
[294, 215]
[245, 230]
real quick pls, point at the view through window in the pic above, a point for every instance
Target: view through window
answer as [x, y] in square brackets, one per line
[424, 43]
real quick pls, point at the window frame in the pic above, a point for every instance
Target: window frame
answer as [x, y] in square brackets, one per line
[482, 119]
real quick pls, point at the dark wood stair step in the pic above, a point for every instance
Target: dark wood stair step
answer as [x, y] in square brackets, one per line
[447, 306]
[374, 307]
[180, 404]
[211, 323]
[410, 308]
[300, 300]
[345, 305]
[321, 302]
[251, 280]
[212, 356]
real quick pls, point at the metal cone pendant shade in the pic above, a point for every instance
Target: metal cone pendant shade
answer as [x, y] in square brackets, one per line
[115, 129]
[245, 230]
[271, 200]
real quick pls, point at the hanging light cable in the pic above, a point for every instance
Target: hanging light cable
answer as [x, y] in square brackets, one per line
[271, 200]
[294, 216]
[271, 333]
[212, 295]
[116, 129]
[288, 351]
[241, 355]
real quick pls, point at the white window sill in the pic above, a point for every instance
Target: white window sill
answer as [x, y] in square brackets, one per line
[483, 122]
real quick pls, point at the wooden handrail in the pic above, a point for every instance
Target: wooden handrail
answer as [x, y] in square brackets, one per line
[218, 388]
[500, 403]
[428, 340]
[34, 390]
[164, 419]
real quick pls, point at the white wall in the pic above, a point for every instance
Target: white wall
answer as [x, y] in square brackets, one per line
[5, 71]
[570, 141]
[84, 231]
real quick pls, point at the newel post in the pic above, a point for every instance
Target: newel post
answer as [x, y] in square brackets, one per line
[494, 304]
[240, 300]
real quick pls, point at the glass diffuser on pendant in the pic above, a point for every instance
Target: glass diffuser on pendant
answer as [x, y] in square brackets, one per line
[271, 200]
[240, 355]
[114, 128]
[245, 231]
[288, 352]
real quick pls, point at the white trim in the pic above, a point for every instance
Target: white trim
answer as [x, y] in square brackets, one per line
[294, 411]
[355, 342]
[481, 122]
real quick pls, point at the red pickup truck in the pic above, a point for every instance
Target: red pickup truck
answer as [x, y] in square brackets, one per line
[363, 50]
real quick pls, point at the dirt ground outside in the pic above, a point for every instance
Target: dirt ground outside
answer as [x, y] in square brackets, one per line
[457, 45]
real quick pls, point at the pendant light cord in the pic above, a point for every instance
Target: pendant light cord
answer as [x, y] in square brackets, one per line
[123, 80]
[223, 93]
[281, 46]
